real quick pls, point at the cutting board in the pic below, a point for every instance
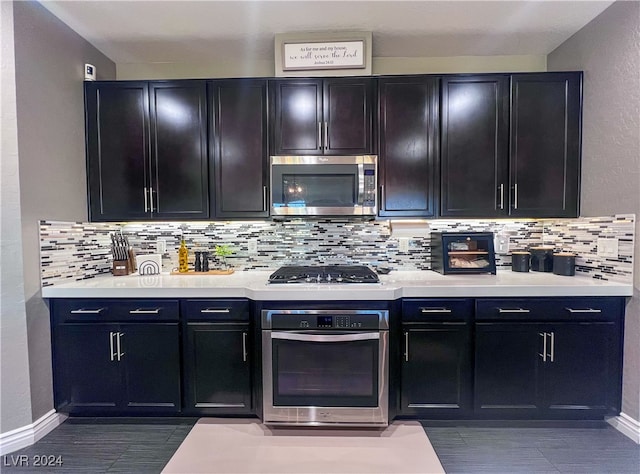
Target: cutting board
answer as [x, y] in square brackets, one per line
[210, 272]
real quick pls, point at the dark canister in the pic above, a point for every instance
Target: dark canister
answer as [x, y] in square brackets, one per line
[542, 259]
[564, 264]
[520, 261]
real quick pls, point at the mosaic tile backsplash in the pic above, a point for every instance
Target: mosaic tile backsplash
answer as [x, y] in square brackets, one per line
[75, 250]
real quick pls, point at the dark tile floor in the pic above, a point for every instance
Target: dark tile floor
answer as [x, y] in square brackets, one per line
[97, 445]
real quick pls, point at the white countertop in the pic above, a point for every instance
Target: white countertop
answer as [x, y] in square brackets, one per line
[397, 284]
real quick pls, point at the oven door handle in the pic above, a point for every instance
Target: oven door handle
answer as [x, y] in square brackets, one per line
[311, 337]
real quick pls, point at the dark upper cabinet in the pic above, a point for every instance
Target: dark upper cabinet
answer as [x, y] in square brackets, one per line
[546, 115]
[178, 117]
[474, 149]
[511, 148]
[146, 150]
[322, 116]
[408, 149]
[238, 148]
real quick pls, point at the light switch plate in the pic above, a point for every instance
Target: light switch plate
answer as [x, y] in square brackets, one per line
[161, 246]
[252, 246]
[403, 244]
[608, 248]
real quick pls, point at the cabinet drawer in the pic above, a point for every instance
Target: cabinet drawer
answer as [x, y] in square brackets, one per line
[426, 310]
[217, 310]
[549, 308]
[116, 310]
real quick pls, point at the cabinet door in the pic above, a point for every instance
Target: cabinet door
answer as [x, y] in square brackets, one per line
[408, 149]
[150, 360]
[545, 144]
[179, 184]
[474, 146]
[239, 147]
[508, 378]
[297, 120]
[580, 372]
[348, 118]
[436, 369]
[117, 140]
[217, 375]
[87, 376]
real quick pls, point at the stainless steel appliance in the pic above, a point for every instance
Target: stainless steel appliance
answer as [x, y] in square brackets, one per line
[324, 185]
[325, 367]
[324, 274]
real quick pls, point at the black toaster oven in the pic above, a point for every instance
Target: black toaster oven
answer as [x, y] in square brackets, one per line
[462, 252]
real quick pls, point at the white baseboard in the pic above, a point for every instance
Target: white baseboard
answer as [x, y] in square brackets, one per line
[27, 435]
[626, 425]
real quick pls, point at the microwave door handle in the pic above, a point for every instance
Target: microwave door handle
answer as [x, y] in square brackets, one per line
[311, 337]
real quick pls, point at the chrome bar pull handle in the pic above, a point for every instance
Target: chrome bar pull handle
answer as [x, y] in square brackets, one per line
[320, 135]
[87, 311]
[382, 203]
[513, 310]
[435, 310]
[111, 353]
[552, 335]
[213, 310]
[145, 311]
[501, 195]
[586, 310]
[515, 196]
[326, 135]
[265, 199]
[146, 201]
[244, 346]
[151, 199]
[406, 346]
[544, 346]
[118, 341]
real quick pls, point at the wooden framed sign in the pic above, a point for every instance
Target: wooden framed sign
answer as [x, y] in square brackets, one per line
[321, 54]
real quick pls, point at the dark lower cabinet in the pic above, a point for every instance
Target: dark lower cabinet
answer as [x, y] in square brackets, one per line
[121, 369]
[217, 366]
[552, 358]
[436, 374]
[218, 379]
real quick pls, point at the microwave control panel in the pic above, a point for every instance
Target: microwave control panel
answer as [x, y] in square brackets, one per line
[369, 195]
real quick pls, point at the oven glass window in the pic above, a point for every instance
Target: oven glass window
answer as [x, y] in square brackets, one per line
[325, 190]
[325, 374]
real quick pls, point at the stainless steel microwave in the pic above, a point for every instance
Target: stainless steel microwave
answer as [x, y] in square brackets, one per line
[324, 185]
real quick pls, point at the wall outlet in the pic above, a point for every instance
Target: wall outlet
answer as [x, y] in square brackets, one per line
[161, 246]
[608, 248]
[501, 243]
[252, 246]
[403, 244]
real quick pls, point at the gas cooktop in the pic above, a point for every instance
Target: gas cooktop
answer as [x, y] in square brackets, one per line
[324, 274]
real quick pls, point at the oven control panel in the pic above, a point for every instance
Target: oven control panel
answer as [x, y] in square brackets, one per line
[326, 320]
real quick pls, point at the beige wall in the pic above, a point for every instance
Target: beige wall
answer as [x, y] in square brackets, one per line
[608, 50]
[49, 71]
[380, 66]
[15, 405]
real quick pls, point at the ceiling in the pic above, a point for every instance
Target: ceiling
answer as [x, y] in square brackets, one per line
[185, 31]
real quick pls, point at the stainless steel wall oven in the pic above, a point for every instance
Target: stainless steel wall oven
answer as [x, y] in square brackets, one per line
[325, 367]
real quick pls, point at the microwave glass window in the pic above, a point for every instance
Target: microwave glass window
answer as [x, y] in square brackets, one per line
[319, 190]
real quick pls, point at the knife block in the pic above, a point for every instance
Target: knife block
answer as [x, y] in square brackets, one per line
[121, 267]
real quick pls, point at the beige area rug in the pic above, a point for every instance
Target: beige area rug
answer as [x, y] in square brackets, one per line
[217, 445]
